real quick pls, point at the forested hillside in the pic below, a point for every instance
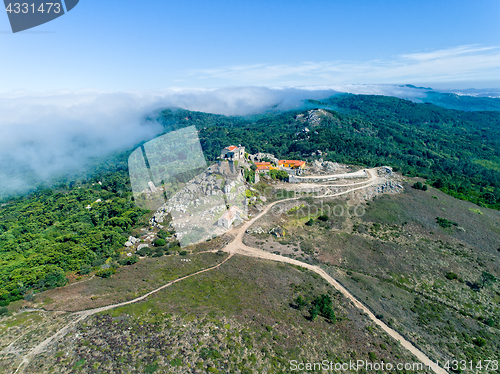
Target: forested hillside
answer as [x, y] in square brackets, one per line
[66, 229]
[51, 232]
[459, 152]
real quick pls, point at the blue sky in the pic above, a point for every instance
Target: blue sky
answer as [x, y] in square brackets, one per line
[149, 44]
[95, 73]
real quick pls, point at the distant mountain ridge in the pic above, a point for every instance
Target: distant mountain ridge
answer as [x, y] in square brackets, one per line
[352, 141]
[468, 100]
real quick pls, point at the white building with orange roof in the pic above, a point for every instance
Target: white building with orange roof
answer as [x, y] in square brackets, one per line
[292, 164]
[264, 167]
[233, 153]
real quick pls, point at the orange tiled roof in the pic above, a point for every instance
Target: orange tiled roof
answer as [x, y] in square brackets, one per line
[262, 163]
[295, 162]
[231, 147]
[262, 167]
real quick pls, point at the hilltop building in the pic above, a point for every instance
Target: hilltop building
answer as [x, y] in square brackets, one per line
[228, 218]
[292, 164]
[264, 167]
[233, 153]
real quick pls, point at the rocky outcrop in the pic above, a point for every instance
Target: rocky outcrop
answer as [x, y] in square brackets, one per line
[131, 241]
[263, 156]
[196, 208]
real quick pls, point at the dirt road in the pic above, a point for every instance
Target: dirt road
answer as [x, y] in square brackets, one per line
[356, 174]
[237, 246]
[79, 316]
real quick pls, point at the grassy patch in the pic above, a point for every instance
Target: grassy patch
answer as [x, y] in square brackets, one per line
[238, 318]
[488, 164]
[129, 282]
[477, 211]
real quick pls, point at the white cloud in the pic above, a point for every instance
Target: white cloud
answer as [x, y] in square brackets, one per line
[462, 63]
[446, 53]
[50, 133]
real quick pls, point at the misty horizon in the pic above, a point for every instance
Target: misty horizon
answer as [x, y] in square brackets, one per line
[51, 134]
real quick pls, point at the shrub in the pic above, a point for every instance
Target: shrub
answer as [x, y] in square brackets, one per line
[313, 313]
[487, 278]
[55, 278]
[300, 303]
[174, 244]
[477, 211]
[129, 260]
[105, 273]
[278, 174]
[444, 223]
[4, 311]
[310, 222]
[144, 251]
[420, 186]
[489, 322]
[160, 242]
[183, 253]
[480, 342]
[322, 306]
[451, 276]
[86, 269]
[151, 368]
[164, 234]
[323, 218]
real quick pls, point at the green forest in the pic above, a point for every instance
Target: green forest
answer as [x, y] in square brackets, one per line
[51, 232]
[79, 224]
[456, 151]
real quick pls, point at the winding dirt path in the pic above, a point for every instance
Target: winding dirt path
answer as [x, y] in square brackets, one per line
[237, 247]
[87, 313]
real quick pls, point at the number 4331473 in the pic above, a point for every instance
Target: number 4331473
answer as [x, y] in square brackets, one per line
[486, 365]
[32, 8]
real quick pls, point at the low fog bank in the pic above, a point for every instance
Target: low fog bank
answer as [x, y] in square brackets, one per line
[46, 134]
